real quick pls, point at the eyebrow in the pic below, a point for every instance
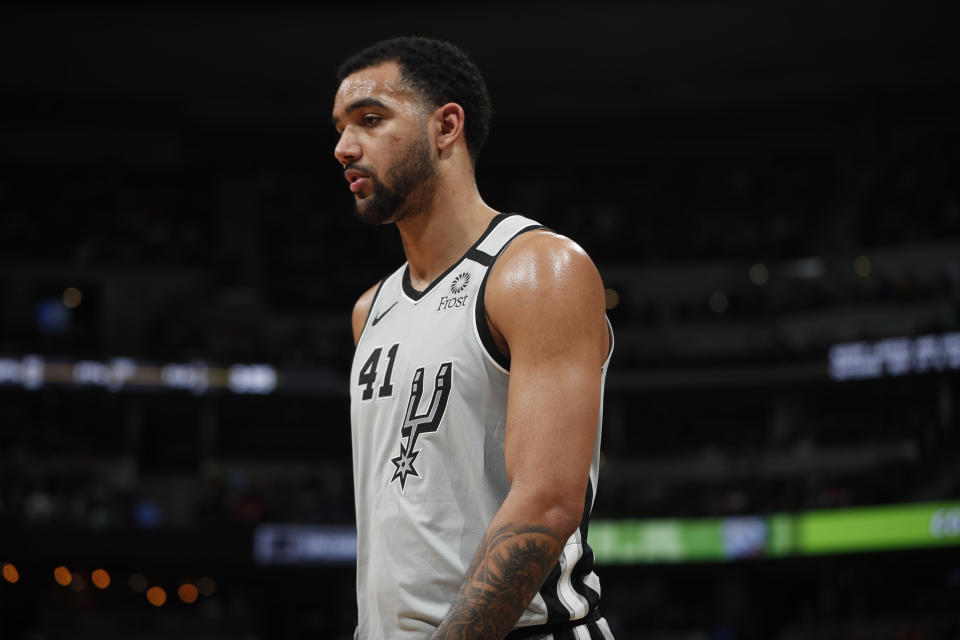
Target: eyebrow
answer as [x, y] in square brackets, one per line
[365, 102]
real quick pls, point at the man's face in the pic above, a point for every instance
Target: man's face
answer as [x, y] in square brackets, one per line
[384, 146]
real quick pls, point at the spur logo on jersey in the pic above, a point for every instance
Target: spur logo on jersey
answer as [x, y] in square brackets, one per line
[455, 301]
[417, 424]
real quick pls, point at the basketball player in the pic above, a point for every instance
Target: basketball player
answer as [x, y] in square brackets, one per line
[477, 381]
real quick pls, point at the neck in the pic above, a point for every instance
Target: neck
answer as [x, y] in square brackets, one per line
[435, 237]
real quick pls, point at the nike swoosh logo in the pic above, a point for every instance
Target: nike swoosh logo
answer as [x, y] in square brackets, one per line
[378, 318]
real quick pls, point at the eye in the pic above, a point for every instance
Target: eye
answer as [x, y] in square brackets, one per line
[371, 119]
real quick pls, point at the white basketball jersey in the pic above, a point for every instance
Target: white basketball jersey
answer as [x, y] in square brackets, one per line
[428, 391]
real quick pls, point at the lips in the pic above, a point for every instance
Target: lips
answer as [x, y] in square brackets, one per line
[357, 179]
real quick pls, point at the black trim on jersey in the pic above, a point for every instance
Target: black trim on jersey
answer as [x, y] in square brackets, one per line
[415, 295]
[595, 633]
[483, 329]
[585, 564]
[373, 304]
[556, 611]
[479, 257]
[558, 629]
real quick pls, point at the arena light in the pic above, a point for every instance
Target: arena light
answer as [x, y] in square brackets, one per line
[895, 357]
[156, 596]
[759, 274]
[34, 372]
[100, 578]
[612, 298]
[10, 573]
[252, 378]
[304, 544]
[62, 576]
[72, 297]
[28, 372]
[855, 530]
[194, 377]
[187, 593]
[879, 528]
[112, 375]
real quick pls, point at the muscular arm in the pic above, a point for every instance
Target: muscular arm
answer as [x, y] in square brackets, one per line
[557, 341]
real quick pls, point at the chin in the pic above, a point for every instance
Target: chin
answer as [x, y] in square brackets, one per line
[369, 213]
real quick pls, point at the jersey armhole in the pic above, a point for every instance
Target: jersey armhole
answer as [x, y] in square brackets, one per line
[482, 330]
[366, 321]
[606, 361]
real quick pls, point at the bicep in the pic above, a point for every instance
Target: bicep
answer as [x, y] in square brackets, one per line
[556, 339]
[553, 406]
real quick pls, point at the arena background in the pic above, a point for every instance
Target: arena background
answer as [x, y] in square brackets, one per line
[771, 191]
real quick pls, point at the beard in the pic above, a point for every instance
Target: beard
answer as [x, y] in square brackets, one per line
[408, 188]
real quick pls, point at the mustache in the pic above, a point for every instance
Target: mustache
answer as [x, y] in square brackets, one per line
[359, 167]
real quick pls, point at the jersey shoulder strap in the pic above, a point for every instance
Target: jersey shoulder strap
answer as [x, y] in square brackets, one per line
[499, 236]
[486, 252]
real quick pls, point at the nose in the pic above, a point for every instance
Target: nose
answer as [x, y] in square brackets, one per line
[347, 149]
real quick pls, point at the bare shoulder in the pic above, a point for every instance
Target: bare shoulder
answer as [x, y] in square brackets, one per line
[361, 309]
[544, 263]
[545, 287]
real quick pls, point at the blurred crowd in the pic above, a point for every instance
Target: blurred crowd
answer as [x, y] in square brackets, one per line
[731, 269]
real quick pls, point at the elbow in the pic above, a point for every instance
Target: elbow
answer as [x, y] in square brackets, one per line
[566, 522]
[557, 502]
[559, 513]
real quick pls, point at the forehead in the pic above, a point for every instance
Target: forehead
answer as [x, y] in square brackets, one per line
[383, 82]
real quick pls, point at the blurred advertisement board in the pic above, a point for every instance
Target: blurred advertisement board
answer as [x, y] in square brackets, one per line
[885, 528]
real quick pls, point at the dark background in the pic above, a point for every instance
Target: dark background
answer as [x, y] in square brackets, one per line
[174, 163]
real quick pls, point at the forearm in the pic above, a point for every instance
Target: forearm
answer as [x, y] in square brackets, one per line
[513, 560]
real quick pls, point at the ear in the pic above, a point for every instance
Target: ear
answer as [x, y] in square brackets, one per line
[450, 118]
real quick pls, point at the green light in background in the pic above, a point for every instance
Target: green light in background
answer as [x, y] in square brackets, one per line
[782, 536]
[646, 541]
[903, 526]
[877, 528]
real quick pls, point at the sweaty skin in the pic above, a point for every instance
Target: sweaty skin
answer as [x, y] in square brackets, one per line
[373, 137]
[545, 307]
[557, 340]
[554, 400]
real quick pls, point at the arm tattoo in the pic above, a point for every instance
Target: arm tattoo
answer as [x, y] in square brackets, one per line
[507, 570]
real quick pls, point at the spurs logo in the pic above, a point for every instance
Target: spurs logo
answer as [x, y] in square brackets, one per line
[416, 424]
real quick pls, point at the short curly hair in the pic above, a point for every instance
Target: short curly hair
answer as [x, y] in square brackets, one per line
[441, 72]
